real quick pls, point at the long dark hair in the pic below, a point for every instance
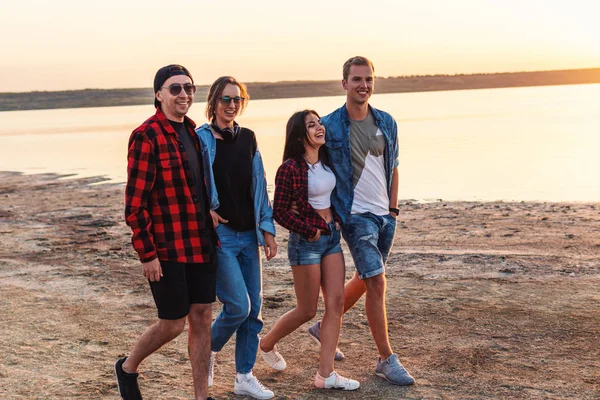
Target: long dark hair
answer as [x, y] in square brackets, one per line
[296, 134]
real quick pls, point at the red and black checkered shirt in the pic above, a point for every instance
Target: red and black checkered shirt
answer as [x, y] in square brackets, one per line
[291, 185]
[160, 205]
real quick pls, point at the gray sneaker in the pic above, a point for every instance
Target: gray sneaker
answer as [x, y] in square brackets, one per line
[315, 333]
[392, 371]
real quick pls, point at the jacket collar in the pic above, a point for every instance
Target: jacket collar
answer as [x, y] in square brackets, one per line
[374, 111]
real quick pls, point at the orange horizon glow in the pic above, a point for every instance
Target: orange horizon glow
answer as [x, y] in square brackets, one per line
[65, 45]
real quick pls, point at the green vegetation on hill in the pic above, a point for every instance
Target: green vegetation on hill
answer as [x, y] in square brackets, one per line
[275, 90]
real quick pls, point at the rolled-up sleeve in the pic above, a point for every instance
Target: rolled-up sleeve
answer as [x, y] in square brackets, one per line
[395, 144]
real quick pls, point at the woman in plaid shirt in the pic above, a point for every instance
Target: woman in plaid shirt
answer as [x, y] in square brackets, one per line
[314, 251]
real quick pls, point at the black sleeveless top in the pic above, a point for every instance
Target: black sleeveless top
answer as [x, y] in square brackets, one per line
[233, 177]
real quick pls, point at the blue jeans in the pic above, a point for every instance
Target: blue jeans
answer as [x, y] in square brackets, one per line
[239, 288]
[369, 238]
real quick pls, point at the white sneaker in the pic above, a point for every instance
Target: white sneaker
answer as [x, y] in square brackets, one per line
[273, 358]
[211, 368]
[335, 381]
[248, 385]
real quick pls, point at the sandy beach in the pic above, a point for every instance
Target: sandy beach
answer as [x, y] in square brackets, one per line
[493, 300]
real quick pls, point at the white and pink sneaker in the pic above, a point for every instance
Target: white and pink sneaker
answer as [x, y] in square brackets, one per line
[273, 358]
[335, 381]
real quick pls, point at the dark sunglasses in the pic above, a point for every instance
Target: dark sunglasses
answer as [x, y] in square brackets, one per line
[175, 88]
[226, 100]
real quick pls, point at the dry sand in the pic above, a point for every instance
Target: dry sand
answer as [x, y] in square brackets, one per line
[485, 301]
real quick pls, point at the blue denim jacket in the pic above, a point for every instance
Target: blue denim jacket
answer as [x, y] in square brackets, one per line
[337, 141]
[263, 213]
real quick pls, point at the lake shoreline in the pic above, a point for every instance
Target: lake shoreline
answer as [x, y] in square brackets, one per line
[101, 180]
[532, 144]
[44, 100]
[478, 293]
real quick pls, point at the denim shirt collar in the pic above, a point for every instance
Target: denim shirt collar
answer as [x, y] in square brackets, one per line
[376, 114]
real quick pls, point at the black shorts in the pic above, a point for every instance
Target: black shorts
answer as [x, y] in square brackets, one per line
[181, 285]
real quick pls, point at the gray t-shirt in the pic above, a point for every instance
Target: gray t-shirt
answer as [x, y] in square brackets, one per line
[367, 146]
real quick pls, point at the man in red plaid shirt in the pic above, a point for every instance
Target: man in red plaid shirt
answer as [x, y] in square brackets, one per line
[166, 208]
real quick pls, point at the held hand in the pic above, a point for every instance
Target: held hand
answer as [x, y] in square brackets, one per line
[270, 246]
[152, 270]
[217, 219]
[316, 237]
[294, 208]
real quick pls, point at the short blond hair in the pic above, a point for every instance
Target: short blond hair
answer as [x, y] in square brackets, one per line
[357, 60]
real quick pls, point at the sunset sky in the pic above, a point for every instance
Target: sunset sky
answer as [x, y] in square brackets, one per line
[62, 44]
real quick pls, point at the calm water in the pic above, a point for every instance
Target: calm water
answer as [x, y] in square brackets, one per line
[499, 144]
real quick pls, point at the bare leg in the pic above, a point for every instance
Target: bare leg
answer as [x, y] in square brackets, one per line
[199, 347]
[332, 282]
[151, 340]
[377, 314]
[307, 282]
[353, 291]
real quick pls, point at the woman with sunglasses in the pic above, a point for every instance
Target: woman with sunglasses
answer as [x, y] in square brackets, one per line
[243, 218]
[306, 180]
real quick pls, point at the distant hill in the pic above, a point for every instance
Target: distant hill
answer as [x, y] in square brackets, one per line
[275, 90]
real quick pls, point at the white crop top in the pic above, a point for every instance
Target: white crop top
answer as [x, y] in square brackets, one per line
[321, 182]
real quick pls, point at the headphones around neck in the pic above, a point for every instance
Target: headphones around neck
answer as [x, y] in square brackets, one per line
[227, 133]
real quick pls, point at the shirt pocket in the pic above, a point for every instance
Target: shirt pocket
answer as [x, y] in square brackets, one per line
[333, 144]
[169, 172]
[168, 162]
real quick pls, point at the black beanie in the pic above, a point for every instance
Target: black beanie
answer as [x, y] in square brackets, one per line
[165, 73]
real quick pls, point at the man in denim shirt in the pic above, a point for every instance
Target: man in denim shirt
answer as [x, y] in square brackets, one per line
[362, 144]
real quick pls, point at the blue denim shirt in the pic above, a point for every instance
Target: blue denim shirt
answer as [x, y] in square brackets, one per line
[337, 141]
[263, 213]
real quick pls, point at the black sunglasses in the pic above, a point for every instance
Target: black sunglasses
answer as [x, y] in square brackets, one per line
[226, 100]
[175, 88]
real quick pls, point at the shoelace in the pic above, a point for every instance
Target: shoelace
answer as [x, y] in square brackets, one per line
[395, 366]
[340, 381]
[273, 356]
[254, 382]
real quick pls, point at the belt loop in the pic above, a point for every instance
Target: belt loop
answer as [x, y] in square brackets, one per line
[332, 226]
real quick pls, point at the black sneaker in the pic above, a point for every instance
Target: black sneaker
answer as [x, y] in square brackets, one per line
[128, 386]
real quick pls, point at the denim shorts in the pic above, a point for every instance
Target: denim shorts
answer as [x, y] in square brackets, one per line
[303, 252]
[369, 238]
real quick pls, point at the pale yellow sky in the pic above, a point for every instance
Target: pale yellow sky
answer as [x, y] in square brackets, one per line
[64, 44]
